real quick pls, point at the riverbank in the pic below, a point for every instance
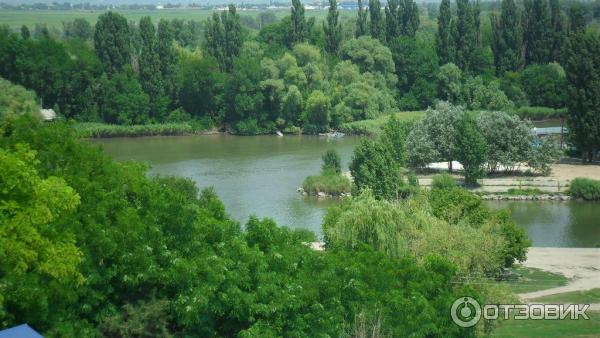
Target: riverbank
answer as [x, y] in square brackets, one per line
[104, 130]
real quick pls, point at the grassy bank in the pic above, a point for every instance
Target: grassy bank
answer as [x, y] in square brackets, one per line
[374, 126]
[532, 279]
[93, 129]
[333, 185]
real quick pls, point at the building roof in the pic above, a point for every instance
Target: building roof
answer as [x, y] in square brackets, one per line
[21, 331]
[48, 114]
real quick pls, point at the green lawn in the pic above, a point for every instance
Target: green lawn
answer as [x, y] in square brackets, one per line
[550, 328]
[533, 279]
[575, 297]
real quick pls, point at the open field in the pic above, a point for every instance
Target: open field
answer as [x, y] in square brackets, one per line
[54, 18]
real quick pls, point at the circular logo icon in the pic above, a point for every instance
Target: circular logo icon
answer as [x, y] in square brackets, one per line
[465, 312]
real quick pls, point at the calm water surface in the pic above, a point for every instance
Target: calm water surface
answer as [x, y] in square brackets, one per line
[252, 175]
[260, 174]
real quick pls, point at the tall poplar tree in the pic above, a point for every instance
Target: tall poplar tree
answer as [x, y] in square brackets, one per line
[298, 30]
[332, 28]
[361, 20]
[464, 34]
[582, 67]
[444, 43]
[149, 67]
[558, 31]
[167, 56]
[223, 37]
[537, 32]
[507, 38]
[112, 41]
[377, 24]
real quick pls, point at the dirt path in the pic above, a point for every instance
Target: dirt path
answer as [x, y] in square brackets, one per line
[580, 265]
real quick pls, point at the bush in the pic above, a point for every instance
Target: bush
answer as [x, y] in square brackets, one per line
[331, 162]
[585, 188]
[443, 181]
[330, 184]
[540, 113]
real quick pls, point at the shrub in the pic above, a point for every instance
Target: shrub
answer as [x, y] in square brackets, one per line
[585, 188]
[443, 181]
[329, 184]
[331, 162]
[93, 129]
[540, 113]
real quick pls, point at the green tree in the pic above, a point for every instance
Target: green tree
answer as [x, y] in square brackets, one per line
[331, 162]
[557, 34]
[299, 28]
[376, 22]
[34, 253]
[401, 19]
[149, 69]
[464, 35]
[508, 139]
[471, 150]
[317, 110]
[417, 68]
[223, 37]
[583, 75]
[577, 21]
[507, 38]
[361, 21]
[25, 34]
[537, 32]
[545, 85]
[373, 167]
[444, 38]
[201, 85]
[167, 57]
[112, 41]
[78, 29]
[333, 29]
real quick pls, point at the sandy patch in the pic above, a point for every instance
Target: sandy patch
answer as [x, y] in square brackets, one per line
[580, 265]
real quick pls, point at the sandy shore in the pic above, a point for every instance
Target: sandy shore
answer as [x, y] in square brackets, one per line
[580, 265]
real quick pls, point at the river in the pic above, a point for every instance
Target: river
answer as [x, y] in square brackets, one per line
[259, 175]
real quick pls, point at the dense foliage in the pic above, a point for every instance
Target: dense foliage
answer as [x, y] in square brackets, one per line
[112, 252]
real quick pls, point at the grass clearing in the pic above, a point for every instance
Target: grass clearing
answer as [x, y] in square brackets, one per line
[533, 279]
[574, 297]
[374, 126]
[550, 328]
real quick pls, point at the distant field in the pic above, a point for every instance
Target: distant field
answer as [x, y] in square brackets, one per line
[55, 18]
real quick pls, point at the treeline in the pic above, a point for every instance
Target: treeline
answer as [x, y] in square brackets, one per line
[300, 75]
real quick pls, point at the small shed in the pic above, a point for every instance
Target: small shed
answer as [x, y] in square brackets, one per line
[21, 331]
[48, 114]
